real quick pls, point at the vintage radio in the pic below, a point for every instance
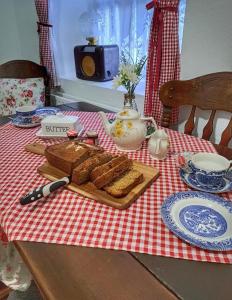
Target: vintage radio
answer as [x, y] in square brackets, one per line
[95, 62]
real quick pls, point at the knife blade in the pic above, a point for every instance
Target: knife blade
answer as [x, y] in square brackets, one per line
[44, 190]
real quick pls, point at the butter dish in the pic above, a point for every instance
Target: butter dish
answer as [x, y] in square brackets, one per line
[58, 125]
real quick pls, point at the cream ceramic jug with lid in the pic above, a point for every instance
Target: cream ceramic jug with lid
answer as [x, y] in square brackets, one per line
[158, 144]
[129, 130]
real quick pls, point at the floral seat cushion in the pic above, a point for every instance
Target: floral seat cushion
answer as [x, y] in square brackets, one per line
[19, 92]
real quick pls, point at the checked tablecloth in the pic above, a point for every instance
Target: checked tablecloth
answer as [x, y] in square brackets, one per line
[67, 218]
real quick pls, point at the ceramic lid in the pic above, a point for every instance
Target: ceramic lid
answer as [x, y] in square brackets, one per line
[59, 118]
[128, 114]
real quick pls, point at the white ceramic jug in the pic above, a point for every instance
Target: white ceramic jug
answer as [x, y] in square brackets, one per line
[158, 144]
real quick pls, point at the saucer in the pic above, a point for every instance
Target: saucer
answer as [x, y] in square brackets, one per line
[191, 181]
[18, 123]
[201, 219]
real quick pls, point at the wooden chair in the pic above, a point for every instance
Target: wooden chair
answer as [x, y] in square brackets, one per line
[22, 69]
[209, 92]
[4, 291]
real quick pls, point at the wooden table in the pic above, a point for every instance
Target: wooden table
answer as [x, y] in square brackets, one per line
[69, 272]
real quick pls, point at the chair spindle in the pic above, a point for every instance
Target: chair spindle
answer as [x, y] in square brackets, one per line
[208, 129]
[227, 134]
[189, 125]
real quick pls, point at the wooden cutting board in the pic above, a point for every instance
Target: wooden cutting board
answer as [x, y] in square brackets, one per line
[88, 190]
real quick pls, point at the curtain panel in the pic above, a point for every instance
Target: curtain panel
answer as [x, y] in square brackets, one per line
[44, 28]
[163, 62]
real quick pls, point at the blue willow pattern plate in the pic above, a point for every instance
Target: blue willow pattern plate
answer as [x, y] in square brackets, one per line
[18, 123]
[191, 181]
[46, 111]
[201, 219]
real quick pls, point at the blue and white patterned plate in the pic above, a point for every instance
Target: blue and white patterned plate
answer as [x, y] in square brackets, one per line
[18, 123]
[47, 111]
[201, 219]
[191, 181]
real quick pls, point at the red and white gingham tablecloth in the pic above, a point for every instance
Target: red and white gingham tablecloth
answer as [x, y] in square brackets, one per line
[67, 218]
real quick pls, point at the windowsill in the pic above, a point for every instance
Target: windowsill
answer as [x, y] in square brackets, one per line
[101, 94]
[140, 89]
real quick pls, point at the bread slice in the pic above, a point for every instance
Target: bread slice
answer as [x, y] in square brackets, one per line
[67, 155]
[81, 173]
[113, 173]
[123, 185]
[98, 171]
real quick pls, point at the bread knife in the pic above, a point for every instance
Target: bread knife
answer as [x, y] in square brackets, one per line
[44, 190]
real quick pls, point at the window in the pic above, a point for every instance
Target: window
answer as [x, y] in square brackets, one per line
[122, 22]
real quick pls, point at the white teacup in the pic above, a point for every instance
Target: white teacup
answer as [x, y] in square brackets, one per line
[209, 168]
[26, 111]
[26, 114]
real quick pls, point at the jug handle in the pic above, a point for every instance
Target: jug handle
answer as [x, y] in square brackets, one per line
[150, 119]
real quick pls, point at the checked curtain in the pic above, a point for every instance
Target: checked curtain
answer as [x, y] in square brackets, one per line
[44, 28]
[163, 55]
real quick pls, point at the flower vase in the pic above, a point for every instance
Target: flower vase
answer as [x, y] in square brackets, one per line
[129, 102]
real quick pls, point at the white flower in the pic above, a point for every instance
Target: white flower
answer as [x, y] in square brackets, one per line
[126, 69]
[130, 73]
[132, 76]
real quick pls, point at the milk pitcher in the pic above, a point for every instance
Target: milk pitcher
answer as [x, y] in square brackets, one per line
[158, 144]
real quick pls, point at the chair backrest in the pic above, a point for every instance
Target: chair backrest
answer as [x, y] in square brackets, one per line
[209, 92]
[21, 69]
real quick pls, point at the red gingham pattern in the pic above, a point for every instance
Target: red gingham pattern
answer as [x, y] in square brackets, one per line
[67, 218]
[46, 53]
[169, 64]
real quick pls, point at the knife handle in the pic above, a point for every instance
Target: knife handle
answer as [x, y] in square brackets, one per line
[44, 190]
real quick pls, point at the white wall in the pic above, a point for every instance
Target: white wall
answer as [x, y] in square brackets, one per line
[207, 44]
[207, 40]
[18, 30]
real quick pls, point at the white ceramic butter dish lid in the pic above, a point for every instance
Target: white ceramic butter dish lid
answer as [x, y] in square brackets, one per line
[60, 119]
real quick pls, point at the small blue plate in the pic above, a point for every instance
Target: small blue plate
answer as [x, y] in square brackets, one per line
[190, 180]
[46, 111]
[201, 219]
